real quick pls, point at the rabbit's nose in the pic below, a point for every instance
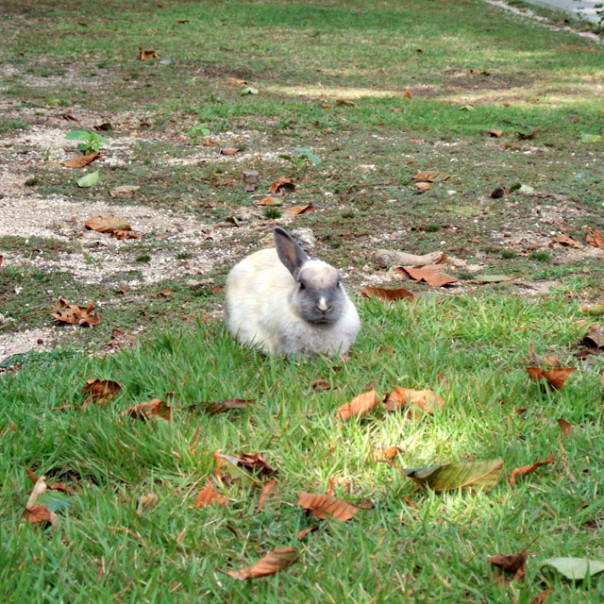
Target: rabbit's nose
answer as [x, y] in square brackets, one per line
[322, 305]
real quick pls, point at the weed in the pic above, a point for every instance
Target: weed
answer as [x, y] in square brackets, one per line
[270, 212]
[540, 255]
[143, 258]
[197, 133]
[93, 141]
[12, 125]
[509, 254]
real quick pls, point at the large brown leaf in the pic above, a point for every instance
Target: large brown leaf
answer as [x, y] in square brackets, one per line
[426, 400]
[148, 409]
[283, 185]
[117, 227]
[359, 405]
[434, 278]
[100, 391]
[524, 470]
[274, 561]
[296, 210]
[325, 506]
[595, 238]
[208, 496]
[513, 564]
[386, 295]
[271, 495]
[555, 378]
[81, 161]
[71, 314]
[40, 514]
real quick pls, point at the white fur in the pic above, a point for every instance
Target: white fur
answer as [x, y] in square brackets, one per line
[258, 312]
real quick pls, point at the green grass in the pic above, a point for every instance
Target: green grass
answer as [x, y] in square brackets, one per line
[469, 350]
[478, 69]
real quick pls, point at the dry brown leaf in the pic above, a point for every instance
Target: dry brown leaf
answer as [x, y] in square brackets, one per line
[434, 278]
[495, 133]
[497, 193]
[274, 561]
[431, 176]
[270, 492]
[542, 597]
[386, 453]
[107, 224]
[564, 239]
[148, 409]
[302, 534]
[359, 405]
[268, 201]
[594, 337]
[423, 187]
[386, 295]
[149, 500]
[162, 293]
[229, 151]
[524, 470]
[556, 378]
[426, 400]
[64, 312]
[565, 426]
[345, 102]
[124, 191]
[407, 93]
[595, 238]
[210, 142]
[100, 391]
[296, 210]
[324, 106]
[208, 496]
[40, 514]
[284, 185]
[144, 55]
[320, 385]
[325, 506]
[81, 160]
[237, 81]
[528, 136]
[513, 564]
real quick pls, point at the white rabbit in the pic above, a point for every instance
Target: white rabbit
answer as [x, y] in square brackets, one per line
[283, 302]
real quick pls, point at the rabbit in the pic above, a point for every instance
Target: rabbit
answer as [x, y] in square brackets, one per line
[282, 302]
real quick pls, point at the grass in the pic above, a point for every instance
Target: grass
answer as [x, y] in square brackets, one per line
[471, 351]
[427, 82]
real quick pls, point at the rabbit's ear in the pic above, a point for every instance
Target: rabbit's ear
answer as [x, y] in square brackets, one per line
[290, 253]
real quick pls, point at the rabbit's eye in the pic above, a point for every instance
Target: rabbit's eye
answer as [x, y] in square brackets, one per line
[338, 284]
[302, 286]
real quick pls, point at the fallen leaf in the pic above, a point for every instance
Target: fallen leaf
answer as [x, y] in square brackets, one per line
[497, 193]
[89, 180]
[595, 238]
[575, 569]
[250, 462]
[276, 560]
[163, 293]
[495, 133]
[269, 201]
[107, 224]
[248, 90]
[216, 407]
[124, 191]
[148, 409]
[587, 137]
[423, 187]
[431, 176]
[565, 426]
[208, 496]
[473, 475]
[81, 160]
[283, 184]
[388, 453]
[296, 210]
[556, 378]
[434, 278]
[318, 385]
[40, 514]
[407, 93]
[359, 405]
[229, 151]
[524, 470]
[236, 81]
[324, 106]
[326, 506]
[270, 493]
[386, 295]
[345, 102]
[594, 337]
[514, 564]
[596, 310]
[527, 136]
[302, 534]
[567, 240]
[182, 20]
[426, 400]
[64, 312]
[104, 127]
[145, 55]
[148, 501]
[210, 142]
[70, 118]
